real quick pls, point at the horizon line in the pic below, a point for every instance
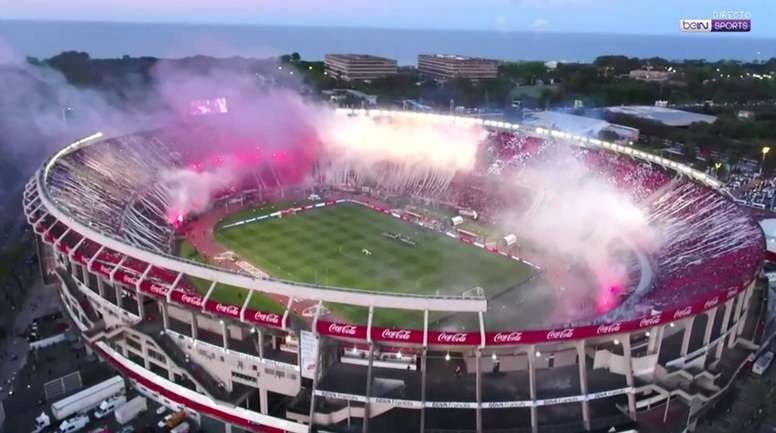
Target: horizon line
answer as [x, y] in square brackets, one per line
[378, 28]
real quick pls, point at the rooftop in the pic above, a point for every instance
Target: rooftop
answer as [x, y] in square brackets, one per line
[351, 56]
[664, 115]
[457, 57]
[581, 125]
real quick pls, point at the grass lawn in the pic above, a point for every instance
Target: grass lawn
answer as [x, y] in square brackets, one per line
[487, 231]
[260, 210]
[225, 293]
[324, 246]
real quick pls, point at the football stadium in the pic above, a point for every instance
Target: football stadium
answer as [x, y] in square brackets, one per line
[386, 271]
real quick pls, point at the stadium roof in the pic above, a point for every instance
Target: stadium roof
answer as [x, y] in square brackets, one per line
[769, 229]
[581, 125]
[664, 115]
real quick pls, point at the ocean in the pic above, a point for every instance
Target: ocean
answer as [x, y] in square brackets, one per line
[108, 39]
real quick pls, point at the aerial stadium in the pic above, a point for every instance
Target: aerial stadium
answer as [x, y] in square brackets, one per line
[398, 271]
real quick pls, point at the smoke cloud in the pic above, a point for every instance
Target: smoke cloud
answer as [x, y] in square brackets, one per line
[270, 126]
[580, 216]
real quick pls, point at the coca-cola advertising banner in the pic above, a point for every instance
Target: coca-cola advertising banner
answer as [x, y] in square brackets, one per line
[400, 335]
[395, 335]
[101, 269]
[78, 257]
[188, 299]
[228, 310]
[345, 330]
[453, 338]
[262, 318]
[126, 278]
[154, 289]
[507, 338]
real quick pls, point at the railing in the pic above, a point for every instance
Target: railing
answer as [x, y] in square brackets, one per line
[298, 290]
[430, 302]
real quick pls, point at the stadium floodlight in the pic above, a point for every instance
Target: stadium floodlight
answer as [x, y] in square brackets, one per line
[764, 151]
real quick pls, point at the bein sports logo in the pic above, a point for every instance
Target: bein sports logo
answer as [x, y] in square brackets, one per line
[715, 25]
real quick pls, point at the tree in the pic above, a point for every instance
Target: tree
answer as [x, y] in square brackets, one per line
[690, 151]
[74, 65]
[619, 64]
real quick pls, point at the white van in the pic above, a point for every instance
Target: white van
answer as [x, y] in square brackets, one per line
[74, 424]
[109, 405]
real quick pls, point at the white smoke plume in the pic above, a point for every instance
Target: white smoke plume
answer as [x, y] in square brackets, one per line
[398, 153]
[582, 218]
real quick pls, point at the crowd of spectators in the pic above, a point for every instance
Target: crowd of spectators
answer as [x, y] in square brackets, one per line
[753, 190]
[709, 244]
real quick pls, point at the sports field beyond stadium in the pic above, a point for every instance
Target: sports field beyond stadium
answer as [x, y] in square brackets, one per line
[345, 246]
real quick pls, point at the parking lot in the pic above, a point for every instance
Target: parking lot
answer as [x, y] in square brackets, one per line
[25, 400]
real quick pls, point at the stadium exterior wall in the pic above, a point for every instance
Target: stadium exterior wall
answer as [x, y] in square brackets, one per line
[112, 307]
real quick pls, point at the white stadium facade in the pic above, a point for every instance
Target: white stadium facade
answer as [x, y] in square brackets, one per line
[234, 369]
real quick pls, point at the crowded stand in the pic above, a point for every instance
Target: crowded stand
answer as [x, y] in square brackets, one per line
[119, 193]
[751, 189]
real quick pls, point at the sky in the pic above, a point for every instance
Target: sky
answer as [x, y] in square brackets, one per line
[599, 16]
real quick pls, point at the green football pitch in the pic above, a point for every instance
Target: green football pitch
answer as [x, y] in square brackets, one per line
[326, 246]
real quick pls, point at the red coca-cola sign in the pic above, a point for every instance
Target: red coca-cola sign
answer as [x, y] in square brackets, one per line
[79, 258]
[263, 318]
[154, 289]
[453, 338]
[652, 320]
[341, 329]
[684, 312]
[711, 303]
[608, 328]
[507, 337]
[99, 267]
[560, 334]
[227, 309]
[128, 279]
[190, 299]
[397, 335]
